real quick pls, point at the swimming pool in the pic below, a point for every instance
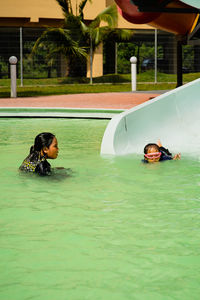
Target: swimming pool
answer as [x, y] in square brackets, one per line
[116, 229]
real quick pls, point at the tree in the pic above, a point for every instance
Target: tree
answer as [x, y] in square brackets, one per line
[79, 37]
[91, 34]
[94, 34]
[65, 40]
[58, 41]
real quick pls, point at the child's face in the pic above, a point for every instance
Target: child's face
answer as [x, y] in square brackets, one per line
[153, 155]
[52, 151]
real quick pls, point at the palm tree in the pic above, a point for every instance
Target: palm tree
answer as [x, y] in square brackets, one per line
[64, 40]
[95, 34]
[58, 41]
[78, 37]
[89, 35]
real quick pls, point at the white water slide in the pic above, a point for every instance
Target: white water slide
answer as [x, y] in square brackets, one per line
[195, 3]
[173, 117]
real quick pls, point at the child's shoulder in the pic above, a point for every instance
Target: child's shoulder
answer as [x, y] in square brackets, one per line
[165, 154]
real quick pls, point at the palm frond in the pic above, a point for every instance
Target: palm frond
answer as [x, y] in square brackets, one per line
[73, 24]
[71, 21]
[108, 15]
[55, 39]
[66, 6]
[124, 34]
[67, 52]
[118, 35]
[84, 27]
[53, 35]
[82, 6]
[97, 37]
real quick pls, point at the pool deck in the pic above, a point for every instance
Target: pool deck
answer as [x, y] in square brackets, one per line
[98, 105]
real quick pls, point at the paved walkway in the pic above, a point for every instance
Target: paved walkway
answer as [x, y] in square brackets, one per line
[96, 101]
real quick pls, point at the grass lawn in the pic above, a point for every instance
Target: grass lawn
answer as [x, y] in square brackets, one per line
[103, 84]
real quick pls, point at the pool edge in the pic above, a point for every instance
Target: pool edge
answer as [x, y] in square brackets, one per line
[58, 112]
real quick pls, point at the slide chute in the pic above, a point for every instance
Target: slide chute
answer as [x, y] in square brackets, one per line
[178, 17]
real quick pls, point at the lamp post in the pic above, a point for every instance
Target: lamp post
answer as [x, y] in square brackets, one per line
[133, 61]
[13, 77]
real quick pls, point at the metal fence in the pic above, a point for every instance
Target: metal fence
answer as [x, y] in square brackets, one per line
[154, 49]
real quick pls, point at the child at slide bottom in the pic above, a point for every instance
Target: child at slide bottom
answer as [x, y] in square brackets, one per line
[156, 152]
[45, 147]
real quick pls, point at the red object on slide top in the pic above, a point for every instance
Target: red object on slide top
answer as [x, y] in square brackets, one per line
[177, 23]
[130, 12]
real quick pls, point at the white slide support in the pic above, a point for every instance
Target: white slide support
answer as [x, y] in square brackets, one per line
[173, 117]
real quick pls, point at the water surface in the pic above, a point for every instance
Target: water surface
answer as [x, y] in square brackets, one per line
[116, 229]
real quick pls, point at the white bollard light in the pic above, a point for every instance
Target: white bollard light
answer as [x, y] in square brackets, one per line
[133, 61]
[13, 76]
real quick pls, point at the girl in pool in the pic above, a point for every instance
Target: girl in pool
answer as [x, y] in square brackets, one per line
[156, 152]
[45, 147]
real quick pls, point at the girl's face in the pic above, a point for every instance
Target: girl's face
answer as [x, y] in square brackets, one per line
[152, 155]
[52, 151]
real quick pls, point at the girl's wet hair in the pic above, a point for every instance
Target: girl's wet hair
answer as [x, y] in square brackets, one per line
[148, 146]
[42, 140]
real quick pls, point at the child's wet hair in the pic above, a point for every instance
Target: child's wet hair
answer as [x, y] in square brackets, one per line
[151, 145]
[42, 140]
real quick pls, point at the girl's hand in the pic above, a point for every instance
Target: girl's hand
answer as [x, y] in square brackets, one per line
[159, 143]
[177, 156]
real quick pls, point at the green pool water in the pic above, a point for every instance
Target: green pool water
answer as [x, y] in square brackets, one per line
[116, 229]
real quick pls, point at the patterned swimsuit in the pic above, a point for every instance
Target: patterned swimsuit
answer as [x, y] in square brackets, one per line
[35, 163]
